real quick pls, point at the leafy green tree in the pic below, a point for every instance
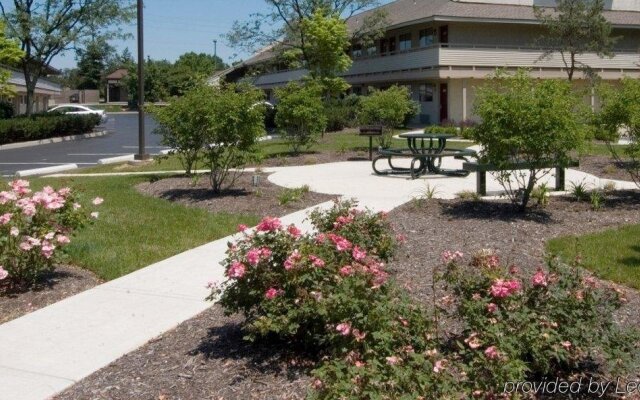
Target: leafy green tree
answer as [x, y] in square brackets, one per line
[92, 63]
[389, 108]
[10, 54]
[156, 81]
[575, 28]
[192, 69]
[47, 28]
[621, 112]
[527, 120]
[300, 115]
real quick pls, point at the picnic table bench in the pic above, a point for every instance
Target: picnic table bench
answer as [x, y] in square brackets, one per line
[481, 170]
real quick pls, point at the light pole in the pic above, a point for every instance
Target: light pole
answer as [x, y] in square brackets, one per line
[142, 154]
[215, 54]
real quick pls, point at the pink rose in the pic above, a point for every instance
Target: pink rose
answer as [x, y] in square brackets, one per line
[26, 246]
[97, 201]
[539, 279]
[272, 293]
[492, 353]
[316, 261]
[358, 254]
[253, 257]
[347, 270]
[5, 218]
[492, 307]
[265, 252]
[448, 257]
[566, 345]
[14, 231]
[359, 336]
[294, 231]
[47, 249]
[341, 243]
[292, 260]
[62, 239]
[473, 341]
[439, 366]
[344, 328]
[269, 224]
[393, 360]
[502, 288]
[3, 273]
[237, 270]
[242, 228]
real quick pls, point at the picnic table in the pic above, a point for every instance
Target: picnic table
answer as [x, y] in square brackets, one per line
[426, 151]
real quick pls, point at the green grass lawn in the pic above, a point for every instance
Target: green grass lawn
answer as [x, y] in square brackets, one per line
[134, 231]
[613, 254]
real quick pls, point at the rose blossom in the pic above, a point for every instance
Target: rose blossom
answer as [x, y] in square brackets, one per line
[341, 243]
[97, 201]
[359, 335]
[62, 239]
[291, 261]
[439, 365]
[20, 186]
[269, 224]
[242, 228]
[316, 261]
[5, 218]
[3, 273]
[393, 360]
[6, 197]
[294, 231]
[26, 246]
[473, 341]
[253, 256]
[237, 270]
[47, 249]
[14, 231]
[77, 206]
[492, 307]
[358, 254]
[566, 344]
[272, 293]
[502, 288]
[344, 328]
[448, 256]
[539, 279]
[492, 353]
[347, 270]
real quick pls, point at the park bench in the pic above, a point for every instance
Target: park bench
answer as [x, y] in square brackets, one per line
[371, 131]
[481, 170]
[422, 163]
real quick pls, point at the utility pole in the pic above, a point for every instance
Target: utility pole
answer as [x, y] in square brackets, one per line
[215, 54]
[142, 154]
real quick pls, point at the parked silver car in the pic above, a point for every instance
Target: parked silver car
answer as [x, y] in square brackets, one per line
[78, 110]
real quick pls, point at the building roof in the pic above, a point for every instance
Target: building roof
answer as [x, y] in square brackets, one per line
[118, 74]
[406, 12]
[17, 79]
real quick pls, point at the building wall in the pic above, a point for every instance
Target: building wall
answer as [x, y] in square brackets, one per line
[85, 96]
[41, 103]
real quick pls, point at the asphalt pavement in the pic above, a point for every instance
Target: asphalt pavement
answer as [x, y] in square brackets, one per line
[122, 139]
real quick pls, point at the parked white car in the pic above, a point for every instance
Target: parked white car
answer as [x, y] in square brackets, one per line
[78, 110]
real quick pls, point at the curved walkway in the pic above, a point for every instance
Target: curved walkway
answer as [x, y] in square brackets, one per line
[44, 352]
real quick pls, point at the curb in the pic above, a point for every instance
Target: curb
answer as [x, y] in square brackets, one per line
[115, 160]
[46, 170]
[32, 143]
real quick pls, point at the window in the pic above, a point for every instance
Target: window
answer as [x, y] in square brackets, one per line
[405, 42]
[426, 37]
[383, 46]
[392, 45]
[426, 93]
[356, 51]
[372, 51]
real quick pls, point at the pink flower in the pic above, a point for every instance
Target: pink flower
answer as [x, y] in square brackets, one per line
[359, 336]
[265, 252]
[62, 239]
[393, 360]
[347, 270]
[473, 341]
[269, 224]
[5, 218]
[97, 201]
[342, 221]
[566, 345]
[502, 288]
[292, 260]
[242, 228]
[359, 364]
[485, 258]
[492, 353]
[33, 241]
[65, 191]
[448, 257]
[272, 293]
[14, 231]
[20, 186]
[317, 384]
[29, 210]
[95, 215]
[3, 273]
[26, 246]
[439, 365]
[344, 328]
[341, 243]
[320, 238]
[539, 279]
[253, 257]
[47, 249]
[294, 231]
[492, 307]
[316, 261]
[358, 254]
[237, 270]
[6, 197]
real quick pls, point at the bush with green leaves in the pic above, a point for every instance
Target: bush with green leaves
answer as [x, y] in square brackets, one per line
[34, 229]
[45, 126]
[436, 129]
[301, 114]
[6, 109]
[527, 120]
[519, 327]
[342, 113]
[621, 112]
[389, 108]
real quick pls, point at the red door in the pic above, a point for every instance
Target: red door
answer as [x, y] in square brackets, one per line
[444, 102]
[444, 35]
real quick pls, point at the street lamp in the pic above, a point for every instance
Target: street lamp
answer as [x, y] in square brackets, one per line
[142, 154]
[215, 54]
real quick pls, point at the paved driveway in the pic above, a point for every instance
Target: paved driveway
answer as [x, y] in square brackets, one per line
[121, 140]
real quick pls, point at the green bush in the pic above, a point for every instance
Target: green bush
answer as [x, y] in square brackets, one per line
[44, 126]
[6, 110]
[390, 108]
[301, 114]
[342, 113]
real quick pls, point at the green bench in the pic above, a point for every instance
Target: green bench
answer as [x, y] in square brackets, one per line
[481, 172]
[421, 162]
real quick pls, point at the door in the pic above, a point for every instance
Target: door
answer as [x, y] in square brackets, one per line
[444, 102]
[444, 35]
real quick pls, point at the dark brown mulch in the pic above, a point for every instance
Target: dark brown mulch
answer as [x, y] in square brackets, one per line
[203, 358]
[206, 358]
[604, 167]
[468, 226]
[243, 199]
[65, 281]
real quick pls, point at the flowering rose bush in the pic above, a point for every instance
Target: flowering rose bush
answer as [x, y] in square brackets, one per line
[34, 227]
[303, 287]
[518, 327]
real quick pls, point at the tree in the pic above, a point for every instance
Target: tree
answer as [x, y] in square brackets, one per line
[621, 112]
[575, 28]
[388, 108]
[527, 120]
[10, 54]
[300, 115]
[156, 81]
[92, 63]
[47, 28]
[284, 30]
[192, 69]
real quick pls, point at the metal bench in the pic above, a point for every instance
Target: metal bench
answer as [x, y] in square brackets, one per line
[371, 131]
[422, 163]
[481, 172]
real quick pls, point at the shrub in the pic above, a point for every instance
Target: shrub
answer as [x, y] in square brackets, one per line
[448, 130]
[44, 126]
[291, 195]
[6, 110]
[527, 120]
[389, 108]
[342, 113]
[518, 328]
[621, 112]
[301, 114]
[33, 229]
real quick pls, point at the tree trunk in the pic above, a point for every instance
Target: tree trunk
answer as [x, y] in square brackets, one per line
[31, 80]
[526, 196]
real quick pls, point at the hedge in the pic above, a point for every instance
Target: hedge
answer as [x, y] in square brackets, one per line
[45, 126]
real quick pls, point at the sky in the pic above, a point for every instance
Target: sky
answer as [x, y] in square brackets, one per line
[174, 27]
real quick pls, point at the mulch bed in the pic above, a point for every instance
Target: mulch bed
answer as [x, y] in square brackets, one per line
[64, 282]
[244, 198]
[603, 167]
[313, 158]
[206, 358]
